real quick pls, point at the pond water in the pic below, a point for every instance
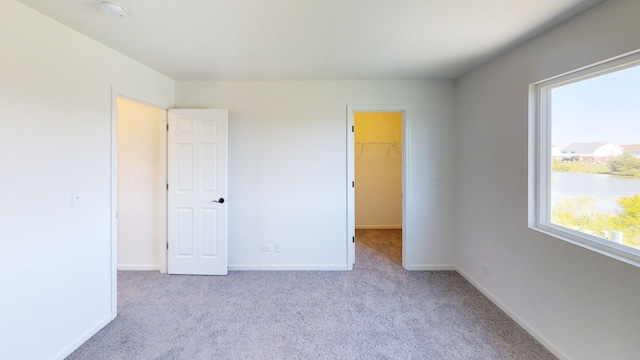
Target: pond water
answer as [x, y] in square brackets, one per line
[604, 188]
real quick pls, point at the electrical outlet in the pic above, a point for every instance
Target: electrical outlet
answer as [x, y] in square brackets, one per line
[266, 248]
[278, 247]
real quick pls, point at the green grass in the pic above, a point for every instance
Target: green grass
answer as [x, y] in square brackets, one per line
[590, 168]
[581, 167]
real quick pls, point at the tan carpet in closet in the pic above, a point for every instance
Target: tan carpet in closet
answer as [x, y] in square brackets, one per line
[386, 242]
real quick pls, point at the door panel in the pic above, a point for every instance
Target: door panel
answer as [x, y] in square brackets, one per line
[185, 232]
[185, 167]
[197, 173]
[210, 167]
[209, 234]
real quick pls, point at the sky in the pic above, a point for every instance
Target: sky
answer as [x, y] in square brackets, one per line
[600, 109]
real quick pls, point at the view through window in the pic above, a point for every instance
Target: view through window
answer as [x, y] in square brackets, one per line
[594, 182]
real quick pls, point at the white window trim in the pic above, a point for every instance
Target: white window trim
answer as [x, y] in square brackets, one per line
[540, 159]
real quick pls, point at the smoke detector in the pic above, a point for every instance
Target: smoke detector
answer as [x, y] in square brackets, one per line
[113, 8]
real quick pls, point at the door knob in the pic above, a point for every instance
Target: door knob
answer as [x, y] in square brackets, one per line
[220, 201]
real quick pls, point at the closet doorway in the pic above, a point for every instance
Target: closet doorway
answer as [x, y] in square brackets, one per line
[378, 161]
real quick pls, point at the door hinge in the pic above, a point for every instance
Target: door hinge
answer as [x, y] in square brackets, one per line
[167, 127]
[167, 246]
[353, 129]
[167, 186]
[353, 184]
[353, 239]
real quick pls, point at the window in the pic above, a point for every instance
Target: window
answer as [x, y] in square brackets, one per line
[584, 157]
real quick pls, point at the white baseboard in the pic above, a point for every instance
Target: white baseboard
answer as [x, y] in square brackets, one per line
[441, 267]
[83, 338]
[129, 267]
[526, 326]
[379, 227]
[269, 267]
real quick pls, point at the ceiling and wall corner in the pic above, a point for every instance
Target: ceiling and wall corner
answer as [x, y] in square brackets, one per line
[214, 40]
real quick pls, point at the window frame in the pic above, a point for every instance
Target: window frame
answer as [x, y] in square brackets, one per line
[540, 159]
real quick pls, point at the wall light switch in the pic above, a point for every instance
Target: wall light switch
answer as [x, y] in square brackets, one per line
[76, 199]
[131, 181]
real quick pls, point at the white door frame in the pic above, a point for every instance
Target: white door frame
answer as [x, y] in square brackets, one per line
[351, 217]
[115, 94]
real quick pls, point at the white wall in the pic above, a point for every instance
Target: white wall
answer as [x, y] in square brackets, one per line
[581, 304]
[142, 182]
[288, 163]
[55, 139]
[379, 186]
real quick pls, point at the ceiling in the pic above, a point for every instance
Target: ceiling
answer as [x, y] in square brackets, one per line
[313, 39]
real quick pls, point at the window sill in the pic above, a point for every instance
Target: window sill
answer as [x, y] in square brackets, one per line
[610, 249]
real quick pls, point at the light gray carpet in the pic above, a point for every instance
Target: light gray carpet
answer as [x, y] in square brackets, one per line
[385, 242]
[376, 311]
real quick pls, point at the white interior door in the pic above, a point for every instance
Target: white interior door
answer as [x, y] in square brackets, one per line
[197, 190]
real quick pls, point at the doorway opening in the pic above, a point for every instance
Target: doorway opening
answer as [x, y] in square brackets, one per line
[141, 186]
[377, 167]
[121, 101]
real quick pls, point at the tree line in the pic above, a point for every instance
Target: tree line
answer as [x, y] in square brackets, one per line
[622, 165]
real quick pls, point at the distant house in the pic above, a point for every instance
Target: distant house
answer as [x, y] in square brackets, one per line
[594, 152]
[633, 148]
[556, 152]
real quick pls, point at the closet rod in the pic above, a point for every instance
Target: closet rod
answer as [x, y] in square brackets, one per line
[378, 142]
[390, 143]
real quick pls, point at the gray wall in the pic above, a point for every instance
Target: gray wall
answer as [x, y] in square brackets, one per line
[580, 304]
